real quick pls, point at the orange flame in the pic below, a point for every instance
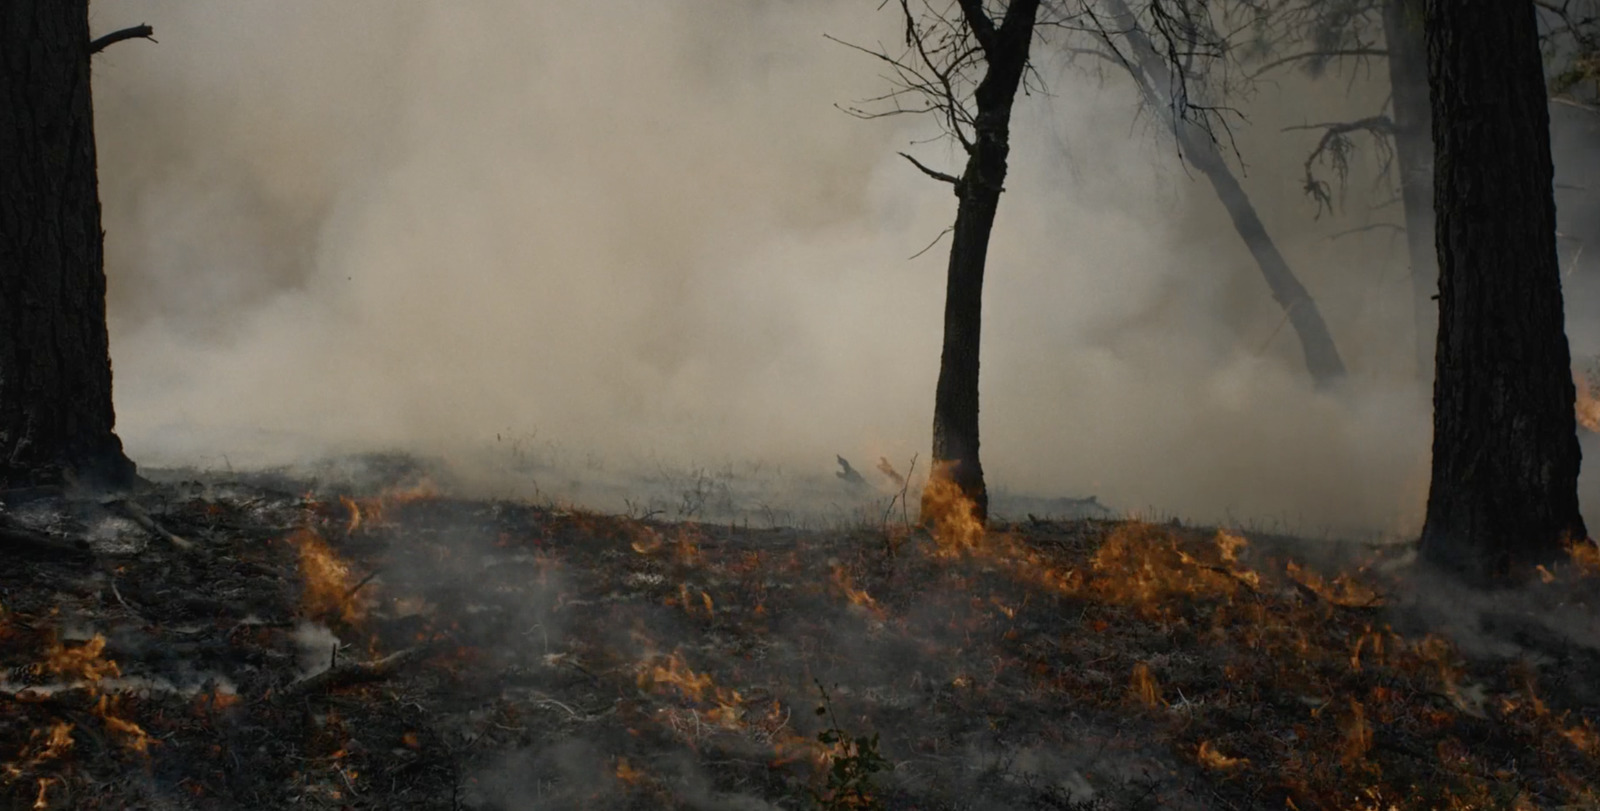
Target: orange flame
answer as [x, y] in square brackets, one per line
[85, 661]
[1587, 406]
[40, 801]
[1357, 734]
[328, 584]
[676, 673]
[1342, 591]
[841, 578]
[1144, 687]
[956, 527]
[627, 774]
[134, 736]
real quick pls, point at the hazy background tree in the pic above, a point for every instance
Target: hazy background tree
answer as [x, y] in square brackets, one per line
[56, 418]
[1505, 450]
[1166, 74]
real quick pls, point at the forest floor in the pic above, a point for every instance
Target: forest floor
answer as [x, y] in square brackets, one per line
[248, 644]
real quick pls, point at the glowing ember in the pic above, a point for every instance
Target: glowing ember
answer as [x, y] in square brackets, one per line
[1210, 758]
[627, 774]
[1357, 733]
[329, 587]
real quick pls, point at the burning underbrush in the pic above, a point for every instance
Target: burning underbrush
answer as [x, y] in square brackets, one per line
[218, 645]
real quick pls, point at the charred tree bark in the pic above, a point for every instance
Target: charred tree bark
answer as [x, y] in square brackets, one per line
[56, 419]
[955, 404]
[1154, 75]
[1505, 449]
[1413, 146]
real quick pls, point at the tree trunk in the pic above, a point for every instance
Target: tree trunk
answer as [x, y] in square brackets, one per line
[56, 418]
[1413, 146]
[955, 403]
[1505, 447]
[1154, 76]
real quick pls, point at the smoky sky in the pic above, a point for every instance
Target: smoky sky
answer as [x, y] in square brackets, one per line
[647, 229]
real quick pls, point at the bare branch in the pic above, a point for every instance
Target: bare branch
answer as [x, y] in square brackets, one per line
[140, 31]
[933, 173]
[1335, 148]
[1357, 53]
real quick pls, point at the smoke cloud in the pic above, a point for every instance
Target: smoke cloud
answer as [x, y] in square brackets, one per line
[645, 231]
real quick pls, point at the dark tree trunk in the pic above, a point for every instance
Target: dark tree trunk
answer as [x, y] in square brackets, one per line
[955, 403]
[1413, 146]
[55, 366]
[1505, 447]
[1154, 75]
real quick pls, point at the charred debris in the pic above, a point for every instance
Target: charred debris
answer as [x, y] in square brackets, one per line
[266, 643]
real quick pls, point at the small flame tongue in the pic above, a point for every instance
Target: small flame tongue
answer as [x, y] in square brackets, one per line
[1588, 403]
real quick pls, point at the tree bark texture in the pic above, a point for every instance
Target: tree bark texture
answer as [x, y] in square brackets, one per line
[1413, 142]
[1505, 448]
[955, 404]
[56, 419]
[1153, 73]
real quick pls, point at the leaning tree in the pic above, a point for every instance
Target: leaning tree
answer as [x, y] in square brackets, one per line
[56, 420]
[964, 67]
[1166, 50]
[1505, 450]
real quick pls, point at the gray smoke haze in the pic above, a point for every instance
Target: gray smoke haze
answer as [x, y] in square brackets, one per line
[644, 230]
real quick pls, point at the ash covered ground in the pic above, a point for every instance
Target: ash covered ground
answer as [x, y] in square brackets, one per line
[269, 641]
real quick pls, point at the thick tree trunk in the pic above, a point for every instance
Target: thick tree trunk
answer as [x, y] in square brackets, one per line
[1505, 447]
[1154, 76]
[55, 367]
[1413, 146]
[955, 404]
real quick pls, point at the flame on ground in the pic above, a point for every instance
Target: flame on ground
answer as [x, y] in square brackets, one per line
[86, 661]
[329, 587]
[955, 523]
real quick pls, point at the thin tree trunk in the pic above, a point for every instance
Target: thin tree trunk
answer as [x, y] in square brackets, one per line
[56, 418]
[1413, 141]
[955, 404]
[1153, 74]
[1505, 448]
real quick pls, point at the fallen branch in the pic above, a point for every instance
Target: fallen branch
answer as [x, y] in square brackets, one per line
[356, 672]
[21, 540]
[140, 31]
[137, 514]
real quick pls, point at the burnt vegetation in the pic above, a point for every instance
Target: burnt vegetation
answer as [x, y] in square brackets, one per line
[400, 649]
[267, 641]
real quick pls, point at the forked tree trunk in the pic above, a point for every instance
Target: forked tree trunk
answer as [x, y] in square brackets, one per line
[1505, 448]
[1153, 73]
[55, 367]
[955, 403]
[1413, 146]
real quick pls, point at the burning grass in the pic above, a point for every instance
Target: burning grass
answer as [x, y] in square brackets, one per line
[498, 655]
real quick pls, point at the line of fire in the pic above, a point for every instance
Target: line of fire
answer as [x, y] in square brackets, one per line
[381, 628]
